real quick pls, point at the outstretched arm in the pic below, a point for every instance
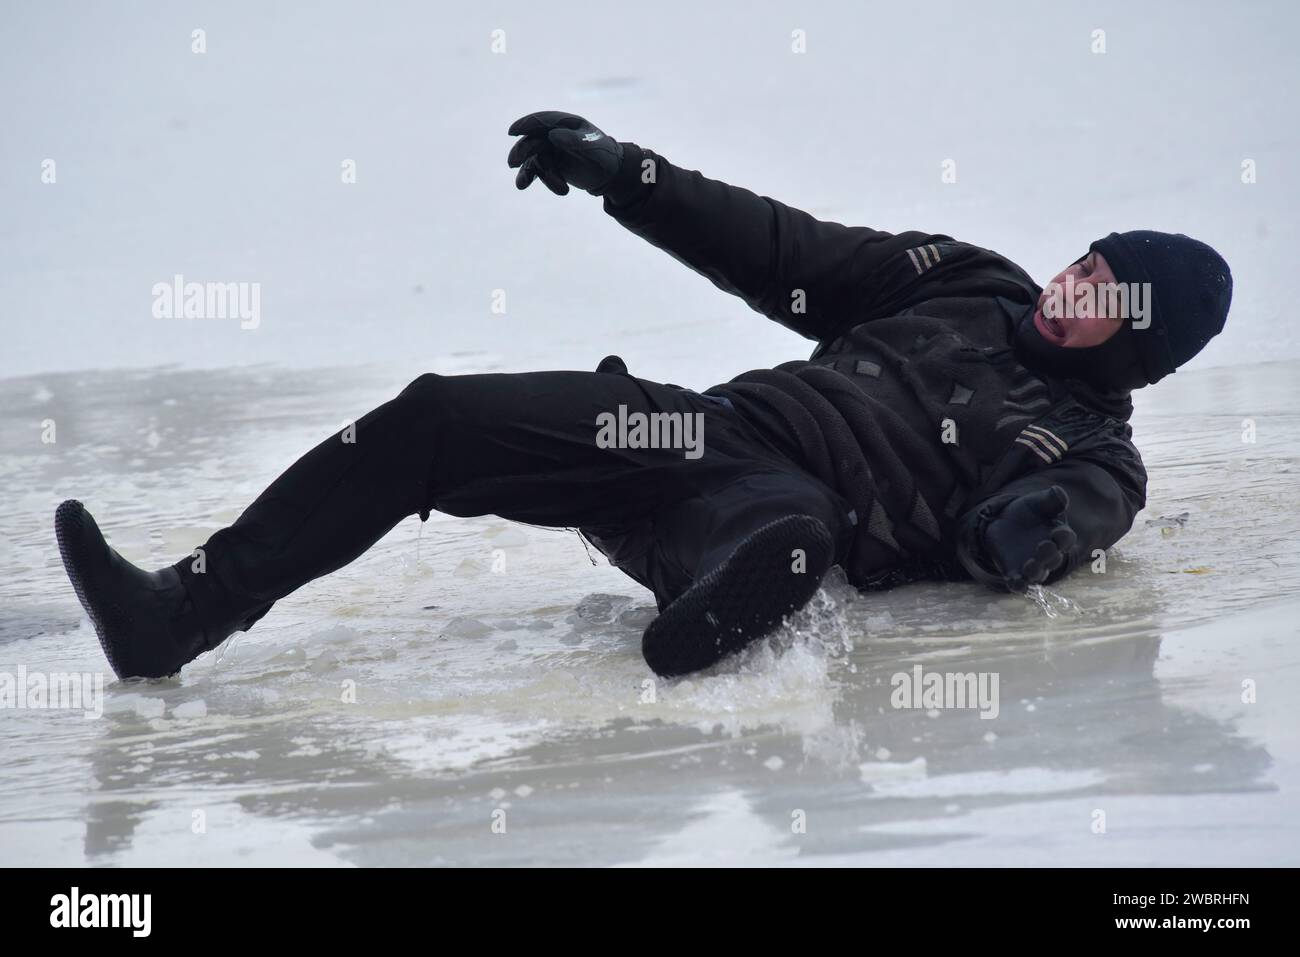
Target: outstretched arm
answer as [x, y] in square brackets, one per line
[812, 276]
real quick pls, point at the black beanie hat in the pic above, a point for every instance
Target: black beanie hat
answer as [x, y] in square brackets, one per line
[1191, 289]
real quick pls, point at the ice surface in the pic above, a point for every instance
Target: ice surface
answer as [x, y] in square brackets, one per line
[390, 713]
[524, 691]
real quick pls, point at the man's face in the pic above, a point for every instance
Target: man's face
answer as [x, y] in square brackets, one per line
[1074, 328]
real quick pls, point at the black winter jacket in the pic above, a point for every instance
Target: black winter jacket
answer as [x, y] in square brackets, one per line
[914, 405]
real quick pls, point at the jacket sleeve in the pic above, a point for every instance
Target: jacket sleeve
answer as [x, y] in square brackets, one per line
[1106, 483]
[814, 277]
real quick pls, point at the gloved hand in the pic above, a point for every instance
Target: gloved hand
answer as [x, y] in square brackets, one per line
[1023, 543]
[562, 149]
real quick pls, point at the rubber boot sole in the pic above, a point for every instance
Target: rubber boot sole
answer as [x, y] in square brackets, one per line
[772, 573]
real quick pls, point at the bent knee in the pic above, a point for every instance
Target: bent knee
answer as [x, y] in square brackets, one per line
[429, 387]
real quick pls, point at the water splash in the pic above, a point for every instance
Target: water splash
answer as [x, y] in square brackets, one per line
[1050, 603]
[227, 647]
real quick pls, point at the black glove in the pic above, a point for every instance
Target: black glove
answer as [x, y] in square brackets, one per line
[1027, 540]
[562, 149]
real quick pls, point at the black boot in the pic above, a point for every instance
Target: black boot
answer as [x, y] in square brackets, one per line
[771, 573]
[148, 623]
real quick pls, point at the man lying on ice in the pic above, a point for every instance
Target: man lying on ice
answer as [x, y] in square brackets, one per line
[956, 420]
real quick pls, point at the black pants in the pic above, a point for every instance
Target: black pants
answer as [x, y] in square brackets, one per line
[523, 447]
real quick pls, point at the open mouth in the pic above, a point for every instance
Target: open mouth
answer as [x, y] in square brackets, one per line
[1051, 328]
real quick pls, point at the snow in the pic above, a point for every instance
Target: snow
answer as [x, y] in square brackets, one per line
[391, 713]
